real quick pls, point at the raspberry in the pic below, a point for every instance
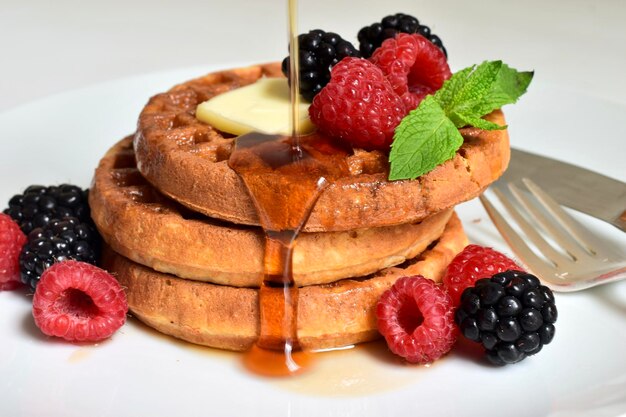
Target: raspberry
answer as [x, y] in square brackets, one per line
[473, 263]
[79, 302]
[413, 65]
[417, 319]
[358, 106]
[12, 239]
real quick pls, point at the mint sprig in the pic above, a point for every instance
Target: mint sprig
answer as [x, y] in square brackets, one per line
[428, 136]
[421, 139]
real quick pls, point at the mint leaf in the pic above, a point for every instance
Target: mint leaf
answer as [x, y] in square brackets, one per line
[470, 85]
[428, 135]
[478, 90]
[508, 86]
[462, 120]
[452, 87]
[425, 138]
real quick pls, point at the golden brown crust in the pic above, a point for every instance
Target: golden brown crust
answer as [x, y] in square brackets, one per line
[146, 227]
[187, 161]
[330, 315]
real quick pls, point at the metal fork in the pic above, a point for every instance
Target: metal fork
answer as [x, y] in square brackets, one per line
[564, 254]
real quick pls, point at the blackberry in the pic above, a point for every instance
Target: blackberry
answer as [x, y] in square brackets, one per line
[59, 240]
[372, 36]
[38, 205]
[319, 52]
[511, 314]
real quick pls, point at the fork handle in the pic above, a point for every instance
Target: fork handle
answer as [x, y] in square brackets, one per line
[620, 222]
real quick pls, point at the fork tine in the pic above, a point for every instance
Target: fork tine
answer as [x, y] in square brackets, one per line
[519, 246]
[560, 272]
[560, 237]
[529, 229]
[572, 226]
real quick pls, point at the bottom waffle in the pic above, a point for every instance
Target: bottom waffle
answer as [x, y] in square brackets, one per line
[225, 317]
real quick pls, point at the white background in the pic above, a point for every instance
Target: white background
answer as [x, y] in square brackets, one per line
[52, 46]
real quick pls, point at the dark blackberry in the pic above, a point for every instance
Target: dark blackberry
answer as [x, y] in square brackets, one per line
[38, 205]
[372, 36]
[511, 314]
[319, 52]
[59, 240]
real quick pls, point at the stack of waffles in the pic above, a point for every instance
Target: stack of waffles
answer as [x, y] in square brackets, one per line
[184, 239]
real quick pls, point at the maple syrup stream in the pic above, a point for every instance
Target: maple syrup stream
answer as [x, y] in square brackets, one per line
[285, 176]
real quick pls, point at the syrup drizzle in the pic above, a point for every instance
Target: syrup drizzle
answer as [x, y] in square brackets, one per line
[284, 177]
[284, 185]
[294, 70]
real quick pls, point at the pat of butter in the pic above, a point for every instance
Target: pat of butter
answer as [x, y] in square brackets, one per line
[264, 107]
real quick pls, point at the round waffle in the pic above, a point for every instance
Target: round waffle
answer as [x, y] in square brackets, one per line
[143, 225]
[187, 160]
[225, 317]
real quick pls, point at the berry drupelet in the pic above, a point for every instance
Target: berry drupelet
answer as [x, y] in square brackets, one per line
[511, 314]
[59, 240]
[38, 205]
[372, 36]
[319, 52]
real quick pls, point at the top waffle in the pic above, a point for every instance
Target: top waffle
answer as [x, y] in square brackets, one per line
[187, 160]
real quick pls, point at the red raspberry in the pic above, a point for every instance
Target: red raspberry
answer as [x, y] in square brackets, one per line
[12, 239]
[473, 263]
[417, 319]
[79, 302]
[358, 106]
[413, 65]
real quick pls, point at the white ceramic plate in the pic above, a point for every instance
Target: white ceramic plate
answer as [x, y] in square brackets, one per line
[139, 372]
